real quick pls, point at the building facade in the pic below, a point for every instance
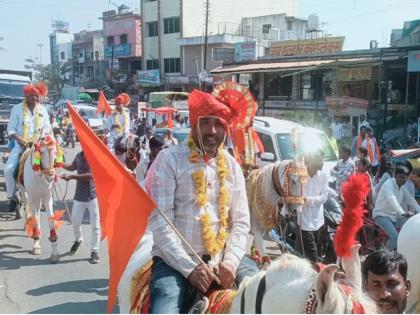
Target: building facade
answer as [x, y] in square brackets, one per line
[122, 43]
[89, 65]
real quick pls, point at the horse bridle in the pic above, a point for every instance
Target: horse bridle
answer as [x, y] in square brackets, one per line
[51, 170]
[259, 299]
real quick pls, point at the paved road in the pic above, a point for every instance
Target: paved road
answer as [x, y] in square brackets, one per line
[31, 284]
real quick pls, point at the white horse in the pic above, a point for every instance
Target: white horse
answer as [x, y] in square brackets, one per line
[291, 286]
[36, 191]
[408, 246]
[270, 189]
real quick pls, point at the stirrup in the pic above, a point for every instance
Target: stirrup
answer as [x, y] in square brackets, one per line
[200, 307]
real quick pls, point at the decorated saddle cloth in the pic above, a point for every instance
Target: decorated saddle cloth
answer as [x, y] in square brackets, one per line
[20, 169]
[220, 301]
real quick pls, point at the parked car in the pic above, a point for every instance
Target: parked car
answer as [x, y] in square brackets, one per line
[93, 119]
[275, 135]
[181, 134]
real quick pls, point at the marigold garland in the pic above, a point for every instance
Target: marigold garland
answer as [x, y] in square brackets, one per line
[25, 131]
[117, 114]
[213, 243]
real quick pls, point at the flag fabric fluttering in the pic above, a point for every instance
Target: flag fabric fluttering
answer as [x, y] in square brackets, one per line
[103, 105]
[124, 206]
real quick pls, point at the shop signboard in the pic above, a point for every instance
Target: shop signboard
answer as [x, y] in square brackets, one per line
[325, 45]
[115, 51]
[354, 74]
[246, 51]
[148, 77]
[343, 102]
[413, 61]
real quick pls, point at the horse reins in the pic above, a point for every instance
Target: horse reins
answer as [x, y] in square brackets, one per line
[259, 299]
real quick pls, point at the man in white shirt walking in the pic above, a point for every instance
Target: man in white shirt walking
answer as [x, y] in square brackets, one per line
[311, 220]
[388, 212]
[337, 130]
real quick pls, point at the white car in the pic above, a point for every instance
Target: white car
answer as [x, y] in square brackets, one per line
[93, 119]
[275, 135]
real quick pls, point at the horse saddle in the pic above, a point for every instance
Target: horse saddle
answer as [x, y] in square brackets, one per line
[220, 301]
[21, 167]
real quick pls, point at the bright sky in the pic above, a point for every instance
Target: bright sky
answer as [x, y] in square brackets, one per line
[26, 23]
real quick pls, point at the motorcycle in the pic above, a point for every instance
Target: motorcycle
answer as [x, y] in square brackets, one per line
[287, 230]
[69, 136]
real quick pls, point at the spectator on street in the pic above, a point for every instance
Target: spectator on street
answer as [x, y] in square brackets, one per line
[344, 168]
[372, 147]
[169, 138]
[358, 141]
[388, 212]
[311, 220]
[337, 130]
[362, 167]
[144, 140]
[84, 199]
[385, 172]
[385, 279]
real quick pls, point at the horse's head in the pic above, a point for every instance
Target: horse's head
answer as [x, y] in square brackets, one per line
[293, 286]
[294, 180]
[47, 156]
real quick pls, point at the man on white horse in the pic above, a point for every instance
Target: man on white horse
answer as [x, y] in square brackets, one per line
[29, 120]
[119, 121]
[201, 188]
[385, 278]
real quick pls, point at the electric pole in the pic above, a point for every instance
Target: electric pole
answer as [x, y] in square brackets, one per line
[40, 53]
[203, 83]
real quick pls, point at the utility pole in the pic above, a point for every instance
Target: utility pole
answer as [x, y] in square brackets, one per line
[40, 53]
[203, 83]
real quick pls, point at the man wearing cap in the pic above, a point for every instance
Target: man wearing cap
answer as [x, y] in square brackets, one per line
[358, 141]
[201, 188]
[118, 123]
[388, 212]
[29, 121]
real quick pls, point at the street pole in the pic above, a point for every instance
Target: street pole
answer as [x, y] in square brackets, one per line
[112, 62]
[40, 53]
[203, 83]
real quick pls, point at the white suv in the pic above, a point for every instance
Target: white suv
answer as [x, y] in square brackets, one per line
[275, 135]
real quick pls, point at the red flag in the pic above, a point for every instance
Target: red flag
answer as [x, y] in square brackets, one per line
[103, 104]
[124, 205]
[170, 120]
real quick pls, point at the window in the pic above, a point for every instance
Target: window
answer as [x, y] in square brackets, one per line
[123, 39]
[152, 64]
[267, 143]
[223, 54]
[289, 25]
[152, 29]
[171, 25]
[91, 55]
[62, 55]
[172, 65]
[81, 55]
[96, 55]
[110, 40]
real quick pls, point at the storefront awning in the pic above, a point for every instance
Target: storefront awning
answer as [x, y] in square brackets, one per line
[291, 65]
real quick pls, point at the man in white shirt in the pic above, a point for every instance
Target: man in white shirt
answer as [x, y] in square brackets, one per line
[388, 212]
[337, 130]
[28, 122]
[311, 219]
[189, 182]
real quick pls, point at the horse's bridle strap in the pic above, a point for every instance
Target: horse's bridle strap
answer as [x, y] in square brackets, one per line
[276, 181]
[259, 299]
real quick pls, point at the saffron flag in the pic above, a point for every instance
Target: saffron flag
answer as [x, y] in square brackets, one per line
[124, 205]
[103, 104]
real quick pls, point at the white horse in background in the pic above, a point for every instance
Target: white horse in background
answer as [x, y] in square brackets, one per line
[408, 246]
[35, 191]
[270, 189]
[291, 286]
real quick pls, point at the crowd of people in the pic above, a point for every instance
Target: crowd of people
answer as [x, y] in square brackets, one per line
[201, 189]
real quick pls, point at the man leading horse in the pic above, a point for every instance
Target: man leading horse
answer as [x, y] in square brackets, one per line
[201, 188]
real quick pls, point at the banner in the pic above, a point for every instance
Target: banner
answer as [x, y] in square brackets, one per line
[148, 77]
[354, 74]
[245, 51]
[325, 45]
[342, 102]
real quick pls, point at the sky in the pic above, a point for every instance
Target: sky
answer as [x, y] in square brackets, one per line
[24, 24]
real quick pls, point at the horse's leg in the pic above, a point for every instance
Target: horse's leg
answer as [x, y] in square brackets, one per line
[258, 232]
[48, 204]
[34, 206]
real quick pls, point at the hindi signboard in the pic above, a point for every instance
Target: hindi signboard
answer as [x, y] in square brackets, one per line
[148, 77]
[245, 51]
[354, 74]
[325, 45]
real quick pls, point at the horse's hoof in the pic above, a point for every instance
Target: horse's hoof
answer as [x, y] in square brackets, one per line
[54, 259]
[36, 251]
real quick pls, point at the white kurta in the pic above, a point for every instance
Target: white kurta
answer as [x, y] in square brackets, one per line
[113, 133]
